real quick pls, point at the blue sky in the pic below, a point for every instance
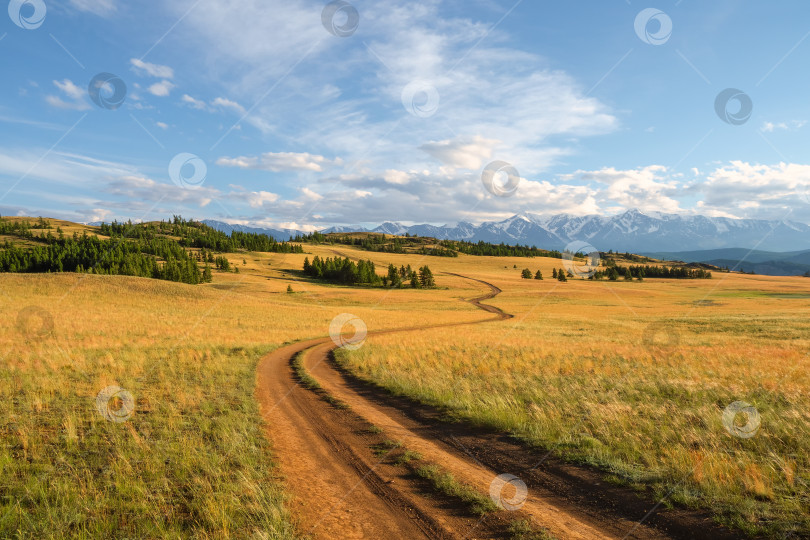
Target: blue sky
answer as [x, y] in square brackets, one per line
[279, 122]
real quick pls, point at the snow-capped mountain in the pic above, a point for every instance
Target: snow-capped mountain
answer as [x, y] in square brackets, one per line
[227, 228]
[632, 231]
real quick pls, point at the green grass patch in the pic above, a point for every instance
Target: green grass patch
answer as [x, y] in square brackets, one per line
[191, 462]
[444, 482]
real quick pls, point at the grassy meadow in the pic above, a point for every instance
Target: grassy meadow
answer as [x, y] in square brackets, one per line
[191, 458]
[634, 378]
[630, 376]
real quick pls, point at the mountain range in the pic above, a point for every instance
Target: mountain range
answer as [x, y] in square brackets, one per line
[632, 231]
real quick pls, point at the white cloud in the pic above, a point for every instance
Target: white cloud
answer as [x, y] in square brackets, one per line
[136, 187]
[311, 195]
[646, 188]
[162, 125]
[75, 95]
[152, 70]
[161, 89]
[794, 125]
[194, 103]
[772, 187]
[462, 153]
[102, 8]
[70, 89]
[228, 104]
[281, 161]
[257, 199]
[393, 176]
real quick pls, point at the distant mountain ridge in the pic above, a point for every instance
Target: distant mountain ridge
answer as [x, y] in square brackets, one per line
[792, 263]
[632, 231]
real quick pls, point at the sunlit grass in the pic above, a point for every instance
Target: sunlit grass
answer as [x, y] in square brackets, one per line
[572, 373]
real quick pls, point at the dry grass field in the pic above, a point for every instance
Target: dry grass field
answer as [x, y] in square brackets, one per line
[634, 378]
[571, 372]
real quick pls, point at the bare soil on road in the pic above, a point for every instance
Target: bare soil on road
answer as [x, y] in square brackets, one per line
[345, 482]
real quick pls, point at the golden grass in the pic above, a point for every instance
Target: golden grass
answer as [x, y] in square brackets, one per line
[572, 372]
[192, 460]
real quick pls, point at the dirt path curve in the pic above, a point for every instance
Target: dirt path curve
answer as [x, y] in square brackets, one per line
[342, 490]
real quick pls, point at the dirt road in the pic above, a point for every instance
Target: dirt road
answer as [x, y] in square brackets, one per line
[346, 483]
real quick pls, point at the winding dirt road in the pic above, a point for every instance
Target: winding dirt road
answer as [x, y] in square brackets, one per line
[345, 482]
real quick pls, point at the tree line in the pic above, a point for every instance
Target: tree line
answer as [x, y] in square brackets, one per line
[347, 272]
[198, 235]
[83, 253]
[613, 273]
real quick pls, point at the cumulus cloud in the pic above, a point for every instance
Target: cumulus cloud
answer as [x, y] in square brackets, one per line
[646, 188]
[463, 153]
[741, 185]
[228, 104]
[152, 70]
[193, 102]
[161, 89]
[74, 94]
[279, 161]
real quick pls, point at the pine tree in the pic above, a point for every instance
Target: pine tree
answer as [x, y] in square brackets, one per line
[554, 273]
[426, 277]
[526, 274]
[538, 275]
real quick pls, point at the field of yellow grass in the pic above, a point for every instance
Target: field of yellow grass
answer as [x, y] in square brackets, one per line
[634, 378]
[188, 457]
[572, 372]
